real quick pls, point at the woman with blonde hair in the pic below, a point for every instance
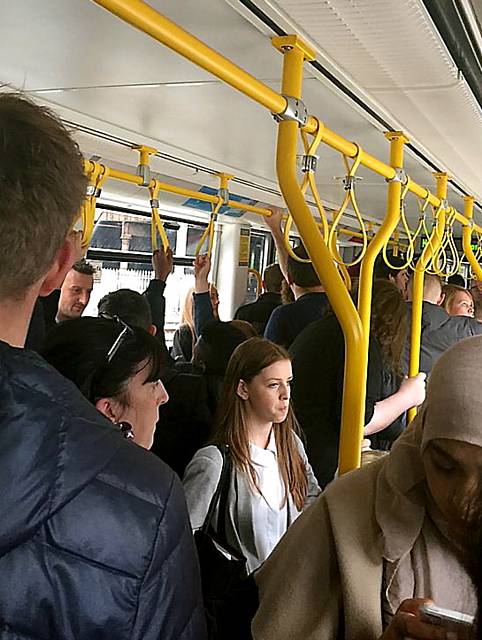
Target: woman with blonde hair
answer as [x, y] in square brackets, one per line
[272, 481]
[458, 301]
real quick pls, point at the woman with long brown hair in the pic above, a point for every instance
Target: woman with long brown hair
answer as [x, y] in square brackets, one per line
[272, 481]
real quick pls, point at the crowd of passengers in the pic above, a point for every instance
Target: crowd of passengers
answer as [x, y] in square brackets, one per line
[100, 538]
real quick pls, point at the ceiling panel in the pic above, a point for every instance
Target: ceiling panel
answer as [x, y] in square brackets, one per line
[89, 65]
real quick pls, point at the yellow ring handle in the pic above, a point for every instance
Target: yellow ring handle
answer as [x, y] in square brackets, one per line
[209, 231]
[411, 245]
[350, 197]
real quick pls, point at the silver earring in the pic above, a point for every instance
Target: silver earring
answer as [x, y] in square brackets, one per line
[126, 429]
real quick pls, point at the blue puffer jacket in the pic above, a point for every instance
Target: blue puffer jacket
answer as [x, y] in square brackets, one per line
[95, 541]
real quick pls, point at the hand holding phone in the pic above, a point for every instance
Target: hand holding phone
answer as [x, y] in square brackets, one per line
[460, 623]
[420, 619]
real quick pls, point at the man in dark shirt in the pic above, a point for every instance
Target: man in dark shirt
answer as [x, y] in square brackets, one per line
[311, 302]
[259, 312]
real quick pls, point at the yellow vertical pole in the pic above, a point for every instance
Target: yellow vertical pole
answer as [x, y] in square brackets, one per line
[353, 408]
[397, 142]
[467, 237]
[418, 280]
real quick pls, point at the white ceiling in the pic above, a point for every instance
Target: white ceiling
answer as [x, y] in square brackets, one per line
[87, 63]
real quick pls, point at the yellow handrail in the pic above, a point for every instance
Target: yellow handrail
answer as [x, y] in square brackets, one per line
[355, 327]
[397, 142]
[353, 410]
[429, 251]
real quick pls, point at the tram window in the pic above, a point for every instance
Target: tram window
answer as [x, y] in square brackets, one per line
[258, 251]
[194, 234]
[111, 276]
[127, 232]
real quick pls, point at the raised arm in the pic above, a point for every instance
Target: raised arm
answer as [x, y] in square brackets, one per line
[275, 224]
[203, 309]
[163, 264]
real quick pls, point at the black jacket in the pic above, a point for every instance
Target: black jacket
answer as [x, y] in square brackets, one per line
[318, 373]
[289, 320]
[439, 332]
[95, 541]
[259, 312]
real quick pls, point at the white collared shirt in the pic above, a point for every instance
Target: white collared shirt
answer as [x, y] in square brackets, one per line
[269, 510]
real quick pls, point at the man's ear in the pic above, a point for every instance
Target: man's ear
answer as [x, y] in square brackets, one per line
[441, 299]
[152, 330]
[65, 258]
[242, 390]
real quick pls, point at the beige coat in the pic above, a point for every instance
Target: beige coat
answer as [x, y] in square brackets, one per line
[324, 580]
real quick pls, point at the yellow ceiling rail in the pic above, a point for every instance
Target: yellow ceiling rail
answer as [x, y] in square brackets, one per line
[428, 253]
[143, 17]
[292, 117]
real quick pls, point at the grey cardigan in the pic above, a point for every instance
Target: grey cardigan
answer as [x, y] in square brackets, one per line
[200, 481]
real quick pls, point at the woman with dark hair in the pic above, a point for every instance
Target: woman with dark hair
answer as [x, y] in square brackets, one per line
[272, 481]
[319, 363]
[116, 367]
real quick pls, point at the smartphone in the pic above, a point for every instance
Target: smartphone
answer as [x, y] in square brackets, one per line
[452, 620]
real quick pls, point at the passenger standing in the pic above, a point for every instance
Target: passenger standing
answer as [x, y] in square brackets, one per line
[65, 303]
[185, 421]
[259, 312]
[398, 276]
[94, 535]
[458, 301]
[439, 330]
[272, 480]
[319, 365]
[311, 302]
[382, 539]
[207, 300]
[116, 367]
[75, 291]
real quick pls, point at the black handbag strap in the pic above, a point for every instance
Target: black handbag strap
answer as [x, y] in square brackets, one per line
[220, 496]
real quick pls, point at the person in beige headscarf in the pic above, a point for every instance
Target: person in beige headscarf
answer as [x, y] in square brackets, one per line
[356, 563]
